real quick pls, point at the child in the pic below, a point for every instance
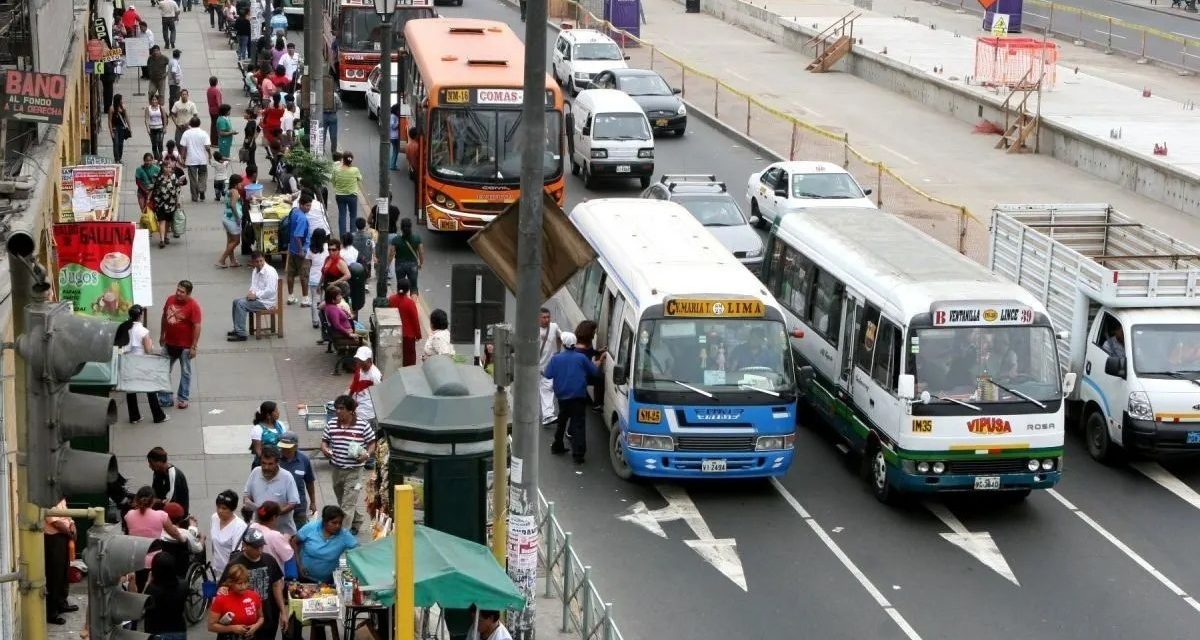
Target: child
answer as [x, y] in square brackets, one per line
[221, 170]
[317, 254]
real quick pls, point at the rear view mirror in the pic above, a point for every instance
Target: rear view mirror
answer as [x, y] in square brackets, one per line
[1069, 383]
[866, 192]
[1115, 366]
[587, 131]
[676, 90]
[804, 377]
[619, 375]
[906, 387]
[626, 57]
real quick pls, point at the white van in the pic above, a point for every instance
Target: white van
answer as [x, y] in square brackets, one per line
[610, 137]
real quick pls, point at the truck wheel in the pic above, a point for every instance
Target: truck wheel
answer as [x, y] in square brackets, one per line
[616, 455]
[645, 181]
[1099, 444]
[574, 167]
[877, 475]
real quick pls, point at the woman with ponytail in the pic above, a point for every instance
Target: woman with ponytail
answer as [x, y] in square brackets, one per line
[278, 545]
[266, 430]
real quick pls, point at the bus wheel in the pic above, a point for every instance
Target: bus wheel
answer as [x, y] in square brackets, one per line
[1099, 444]
[877, 475]
[616, 454]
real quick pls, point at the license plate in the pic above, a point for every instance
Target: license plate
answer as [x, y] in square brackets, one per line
[1193, 437]
[661, 122]
[712, 466]
[987, 483]
[446, 225]
[624, 168]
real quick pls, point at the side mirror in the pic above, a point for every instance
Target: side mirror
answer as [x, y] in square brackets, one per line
[1063, 335]
[906, 387]
[587, 131]
[676, 90]
[925, 397]
[413, 133]
[804, 377]
[782, 193]
[619, 375]
[866, 192]
[1069, 383]
[570, 122]
[1115, 366]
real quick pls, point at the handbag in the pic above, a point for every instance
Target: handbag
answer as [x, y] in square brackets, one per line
[143, 373]
[244, 154]
[149, 221]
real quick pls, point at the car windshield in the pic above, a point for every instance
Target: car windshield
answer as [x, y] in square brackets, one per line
[825, 185]
[360, 27]
[597, 51]
[713, 210]
[620, 126]
[483, 146]
[714, 355]
[987, 364]
[643, 85]
[1166, 349]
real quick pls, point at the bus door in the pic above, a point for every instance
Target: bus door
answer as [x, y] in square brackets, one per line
[852, 317]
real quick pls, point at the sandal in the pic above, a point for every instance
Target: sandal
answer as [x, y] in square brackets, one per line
[182, 404]
[235, 265]
[221, 265]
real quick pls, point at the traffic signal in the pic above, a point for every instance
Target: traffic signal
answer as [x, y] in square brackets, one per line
[55, 346]
[111, 556]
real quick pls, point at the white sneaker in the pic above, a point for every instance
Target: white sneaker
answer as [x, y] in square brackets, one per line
[291, 300]
[306, 303]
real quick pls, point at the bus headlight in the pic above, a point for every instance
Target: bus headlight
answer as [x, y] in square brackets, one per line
[1048, 464]
[646, 153]
[1034, 465]
[1139, 406]
[775, 443]
[923, 467]
[645, 441]
[442, 200]
[939, 467]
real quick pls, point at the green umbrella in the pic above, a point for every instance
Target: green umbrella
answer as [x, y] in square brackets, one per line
[450, 571]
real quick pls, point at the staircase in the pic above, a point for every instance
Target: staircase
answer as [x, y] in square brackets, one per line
[1020, 122]
[832, 44]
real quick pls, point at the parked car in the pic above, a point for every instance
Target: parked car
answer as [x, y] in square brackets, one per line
[710, 202]
[580, 54]
[661, 103]
[373, 98]
[794, 185]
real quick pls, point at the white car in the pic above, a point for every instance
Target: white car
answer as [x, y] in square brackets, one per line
[784, 187]
[580, 55]
[373, 90]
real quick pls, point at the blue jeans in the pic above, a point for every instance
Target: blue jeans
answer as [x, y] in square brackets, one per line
[185, 372]
[405, 269]
[172, 635]
[241, 310]
[347, 212]
[395, 152]
[331, 130]
[243, 47]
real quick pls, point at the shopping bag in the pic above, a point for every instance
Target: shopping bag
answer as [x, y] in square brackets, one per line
[179, 224]
[141, 373]
[149, 221]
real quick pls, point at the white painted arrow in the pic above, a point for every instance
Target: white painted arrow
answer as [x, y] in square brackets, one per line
[721, 553]
[1168, 481]
[979, 543]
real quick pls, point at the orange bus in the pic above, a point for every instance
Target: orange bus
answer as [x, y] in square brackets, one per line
[463, 85]
[352, 37]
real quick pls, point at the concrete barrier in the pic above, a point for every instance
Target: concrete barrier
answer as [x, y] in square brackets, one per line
[1149, 177]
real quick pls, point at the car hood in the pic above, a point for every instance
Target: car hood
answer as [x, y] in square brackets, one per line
[738, 238]
[657, 103]
[796, 204]
[593, 67]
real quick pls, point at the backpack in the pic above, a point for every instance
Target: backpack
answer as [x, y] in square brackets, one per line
[285, 229]
[362, 242]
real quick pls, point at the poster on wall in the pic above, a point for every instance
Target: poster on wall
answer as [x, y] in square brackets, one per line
[95, 267]
[89, 192]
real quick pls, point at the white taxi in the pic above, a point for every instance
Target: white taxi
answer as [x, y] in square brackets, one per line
[794, 185]
[373, 97]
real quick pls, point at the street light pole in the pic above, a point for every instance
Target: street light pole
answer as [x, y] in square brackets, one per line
[529, 301]
[384, 8]
[314, 59]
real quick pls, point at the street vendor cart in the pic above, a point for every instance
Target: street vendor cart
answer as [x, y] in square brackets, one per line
[266, 214]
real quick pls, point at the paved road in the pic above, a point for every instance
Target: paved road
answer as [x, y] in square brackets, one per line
[826, 560]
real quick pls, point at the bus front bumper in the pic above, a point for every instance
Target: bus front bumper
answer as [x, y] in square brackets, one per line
[442, 219]
[676, 464]
[929, 483]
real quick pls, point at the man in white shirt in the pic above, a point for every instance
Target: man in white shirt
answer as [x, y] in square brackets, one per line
[315, 214]
[366, 375]
[175, 75]
[287, 124]
[549, 343]
[262, 295]
[290, 61]
[182, 111]
[196, 155]
[170, 14]
[490, 627]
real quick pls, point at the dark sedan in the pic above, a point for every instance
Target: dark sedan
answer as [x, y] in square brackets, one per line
[661, 103]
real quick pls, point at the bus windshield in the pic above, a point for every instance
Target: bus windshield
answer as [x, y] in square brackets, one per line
[360, 28]
[713, 355]
[483, 146]
[1166, 349]
[987, 364]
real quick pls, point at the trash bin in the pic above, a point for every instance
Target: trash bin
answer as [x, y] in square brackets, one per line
[692, 6]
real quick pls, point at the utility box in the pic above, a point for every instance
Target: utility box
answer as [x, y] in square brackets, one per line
[438, 421]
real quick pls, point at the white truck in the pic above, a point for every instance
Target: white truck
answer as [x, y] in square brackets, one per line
[1125, 301]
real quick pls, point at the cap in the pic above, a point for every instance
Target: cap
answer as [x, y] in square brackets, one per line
[288, 440]
[253, 538]
[174, 511]
[568, 339]
[363, 353]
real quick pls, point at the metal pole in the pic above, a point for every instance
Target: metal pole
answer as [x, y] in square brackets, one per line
[500, 475]
[385, 144]
[382, 223]
[529, 300]
[402, 534]
[314, 60]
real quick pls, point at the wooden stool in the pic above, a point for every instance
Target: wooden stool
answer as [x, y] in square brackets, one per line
[274, 317]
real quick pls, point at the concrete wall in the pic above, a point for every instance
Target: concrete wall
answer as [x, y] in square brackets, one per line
[1133, 172]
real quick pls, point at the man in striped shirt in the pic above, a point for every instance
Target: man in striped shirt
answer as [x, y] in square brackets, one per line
[348, 442]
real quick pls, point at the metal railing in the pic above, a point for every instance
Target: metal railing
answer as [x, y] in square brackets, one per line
[568, 580]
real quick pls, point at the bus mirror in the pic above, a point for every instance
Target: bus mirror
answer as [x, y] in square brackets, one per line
[804, 377]
[1115, 366]
[906, 387]
[1063, 335]
[413, 134]
[925, 397]
[619, 375]
[1069, 383]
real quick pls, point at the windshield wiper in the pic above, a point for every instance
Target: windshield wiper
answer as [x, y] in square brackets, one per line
[806, 194]
[744, 387]
[691, 388]
[1018, 393]
[955, 401]
[1178, 375]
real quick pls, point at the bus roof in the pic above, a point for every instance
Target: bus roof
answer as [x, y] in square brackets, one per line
[628, 235]
[876, 252]
[467, 52]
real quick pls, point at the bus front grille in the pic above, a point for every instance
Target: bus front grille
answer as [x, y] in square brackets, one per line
[978, 467]
[714, 443]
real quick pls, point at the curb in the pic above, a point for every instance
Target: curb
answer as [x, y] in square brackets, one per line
[1165, 10]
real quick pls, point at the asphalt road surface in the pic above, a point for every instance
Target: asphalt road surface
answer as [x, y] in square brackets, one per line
[1106, 555]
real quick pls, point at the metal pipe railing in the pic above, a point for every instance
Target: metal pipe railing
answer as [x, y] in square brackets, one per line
[585, 614]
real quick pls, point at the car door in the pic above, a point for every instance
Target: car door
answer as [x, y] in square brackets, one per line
[1109, 389]
[557, 59]
[766, 193]
[782, 181]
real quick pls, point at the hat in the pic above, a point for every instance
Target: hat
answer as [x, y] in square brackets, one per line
[253, 538]
[363, 353]
[174, 511]
[568, 339]
[288, 440]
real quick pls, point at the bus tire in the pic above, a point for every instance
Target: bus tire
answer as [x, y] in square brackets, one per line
[1100, 446]
[616, 455]
[645, 182]
[876, 471]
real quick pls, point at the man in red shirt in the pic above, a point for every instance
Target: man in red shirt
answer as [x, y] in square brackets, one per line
[215, 99]
[410, 321]
[180, 335]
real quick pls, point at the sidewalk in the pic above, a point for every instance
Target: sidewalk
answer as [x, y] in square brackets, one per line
[938, 153]
[208, 441]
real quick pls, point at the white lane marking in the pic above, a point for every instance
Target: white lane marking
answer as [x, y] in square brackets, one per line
[1105, 32]
[979, 543]
[1036, 15]
[721, 553]
[898, 154]
[861, 577]
[1124, 548]
[1157, 473]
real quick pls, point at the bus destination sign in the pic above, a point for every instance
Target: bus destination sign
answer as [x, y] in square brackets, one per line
[694, 308]
[490, 96]
[961, 315]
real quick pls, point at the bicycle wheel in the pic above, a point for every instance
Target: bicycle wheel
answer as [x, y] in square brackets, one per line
[196, 602]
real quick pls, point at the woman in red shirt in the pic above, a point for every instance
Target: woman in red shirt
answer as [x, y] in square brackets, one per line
[237, 613]
[335, 272]
[281, 80]
[272, 118]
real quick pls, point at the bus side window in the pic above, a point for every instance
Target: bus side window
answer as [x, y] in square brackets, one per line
[887, 352]
[827, 305]
[867, 336]
[794, 282]
[593, 288]
[625, 348]
[576, 283]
